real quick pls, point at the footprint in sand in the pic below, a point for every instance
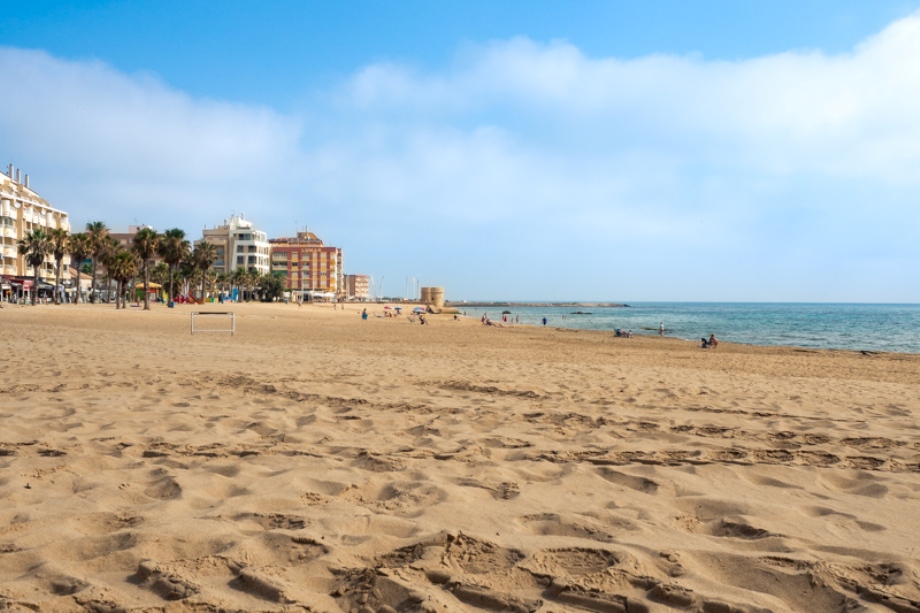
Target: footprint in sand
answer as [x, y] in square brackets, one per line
[552, 524]
[163, 487]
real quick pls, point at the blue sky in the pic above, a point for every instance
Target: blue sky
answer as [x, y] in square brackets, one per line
[749, 151]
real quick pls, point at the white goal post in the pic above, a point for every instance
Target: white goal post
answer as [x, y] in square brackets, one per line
[210, 314]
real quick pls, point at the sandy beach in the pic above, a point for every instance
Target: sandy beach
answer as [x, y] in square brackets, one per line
[317, 462]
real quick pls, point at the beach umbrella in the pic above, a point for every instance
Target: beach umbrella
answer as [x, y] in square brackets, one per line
[418, 310]
[387, 307]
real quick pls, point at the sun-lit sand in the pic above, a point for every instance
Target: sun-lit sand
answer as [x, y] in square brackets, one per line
[314, 461]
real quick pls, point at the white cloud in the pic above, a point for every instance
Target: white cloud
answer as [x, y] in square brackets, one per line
[131, 142]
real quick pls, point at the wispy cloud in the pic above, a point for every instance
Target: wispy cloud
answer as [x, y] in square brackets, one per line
[115, 146]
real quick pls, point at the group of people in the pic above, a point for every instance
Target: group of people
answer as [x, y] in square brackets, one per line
[421, 316]
[707, 343]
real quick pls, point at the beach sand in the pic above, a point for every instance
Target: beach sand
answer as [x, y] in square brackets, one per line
[317, 462]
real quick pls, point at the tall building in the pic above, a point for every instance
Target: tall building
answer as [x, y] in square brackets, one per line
[126, 239]
[22, 210]
[239, 246]
[309, 266]
[357, 287]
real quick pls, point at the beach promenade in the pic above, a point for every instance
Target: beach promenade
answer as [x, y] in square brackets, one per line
[317, 462]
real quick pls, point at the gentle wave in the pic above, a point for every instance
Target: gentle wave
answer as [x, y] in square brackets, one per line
[859, 327]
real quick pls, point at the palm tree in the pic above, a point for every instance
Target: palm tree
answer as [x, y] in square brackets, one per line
[59, 238]
[121, 265]
[144, 244]
[36, 246]
[97, 233]
[238, 278]
[173, 248]
[79, 248]
[187, 273]
[221, 280]
[203, 257]
[253, 277]
[107, 249]
[161, 274]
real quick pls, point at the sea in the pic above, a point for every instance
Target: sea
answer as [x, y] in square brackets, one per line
[857, 327]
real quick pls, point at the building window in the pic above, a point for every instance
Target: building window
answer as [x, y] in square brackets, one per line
[240, 259]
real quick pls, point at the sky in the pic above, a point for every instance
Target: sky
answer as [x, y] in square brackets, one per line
[614, 151]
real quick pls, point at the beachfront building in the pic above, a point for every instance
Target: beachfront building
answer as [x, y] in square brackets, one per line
[239, 246]
[311, 269]
[357, 287]
[22, 210]
[126, 239]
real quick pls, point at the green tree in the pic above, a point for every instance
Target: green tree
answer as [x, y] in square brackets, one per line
[144, 245]
[272, 286]
[35, 246]
[59, 239]
[173, 248]
[160, 274]
[97, 234]
[203, 257]
[79, 248]
[122, 268]
[108, 248]
[238, 278]
[221, 280]
[253, 280]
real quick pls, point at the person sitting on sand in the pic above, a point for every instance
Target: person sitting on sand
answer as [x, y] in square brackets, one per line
[713, 341]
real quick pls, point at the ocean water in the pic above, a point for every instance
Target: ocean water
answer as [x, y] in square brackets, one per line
[860, 327]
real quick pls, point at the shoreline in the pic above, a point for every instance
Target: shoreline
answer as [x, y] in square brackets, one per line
[548, 305]
[186, 309]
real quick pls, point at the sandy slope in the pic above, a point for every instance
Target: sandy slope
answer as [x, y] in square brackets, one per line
[318, 462]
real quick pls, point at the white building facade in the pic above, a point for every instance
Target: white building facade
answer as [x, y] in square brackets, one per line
[22, 210]
[239, 246]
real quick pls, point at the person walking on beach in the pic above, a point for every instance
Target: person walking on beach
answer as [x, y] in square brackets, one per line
[661, 329]
[544, 322]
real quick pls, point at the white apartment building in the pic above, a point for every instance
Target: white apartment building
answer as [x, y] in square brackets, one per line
[21, 211]
[239, 245]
